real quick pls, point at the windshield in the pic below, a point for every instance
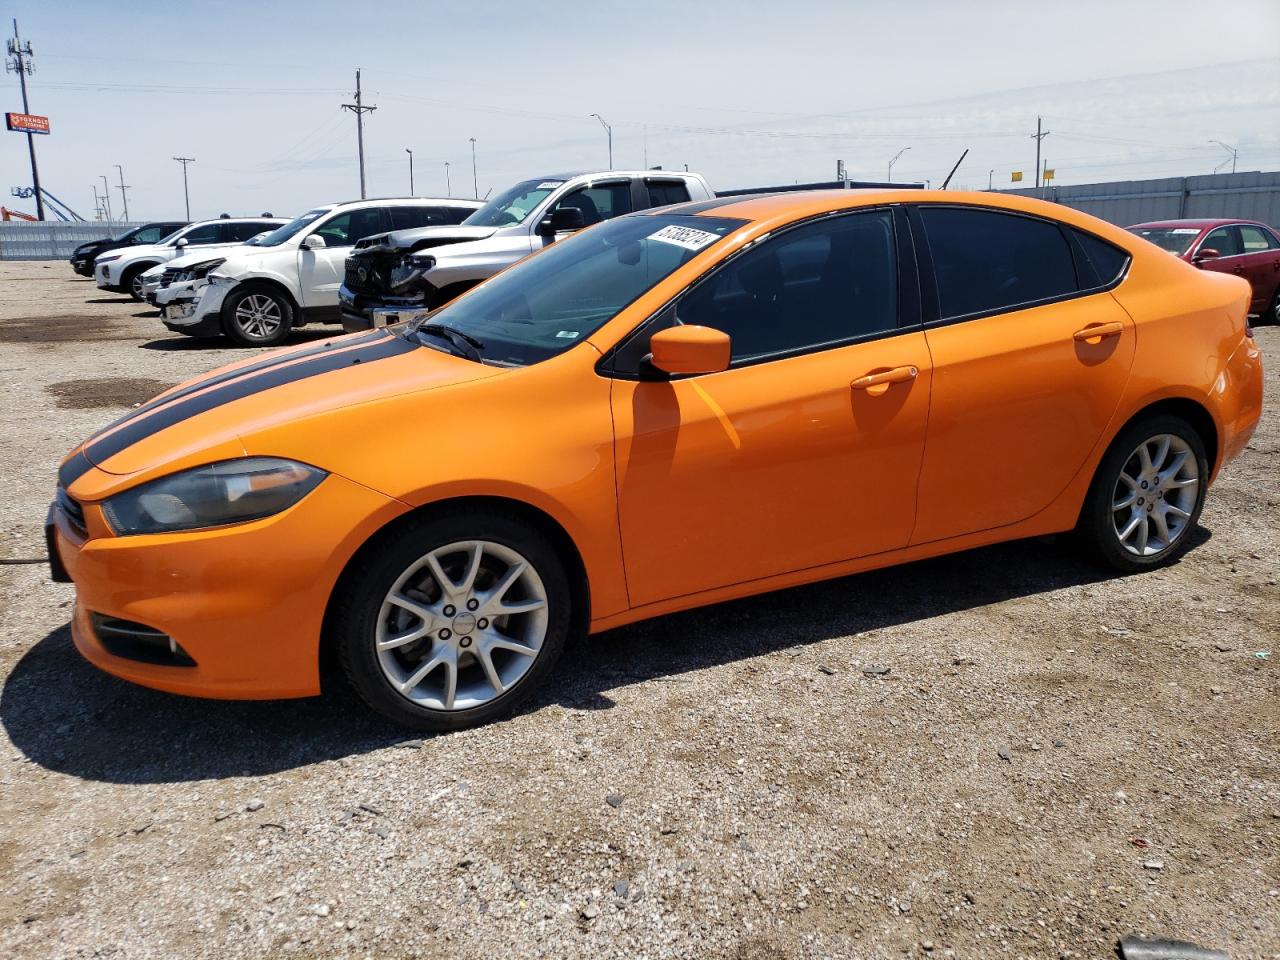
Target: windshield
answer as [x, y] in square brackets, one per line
[1176, 240]
[513, 205]
[292, 228]
[544, 305]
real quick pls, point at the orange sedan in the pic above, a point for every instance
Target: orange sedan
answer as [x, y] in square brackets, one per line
[670, 409]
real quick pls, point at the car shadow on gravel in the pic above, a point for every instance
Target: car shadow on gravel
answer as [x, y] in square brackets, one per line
[67, 716]
[182, 342]
[121, 299]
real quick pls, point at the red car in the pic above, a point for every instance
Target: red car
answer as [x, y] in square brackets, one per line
[1244, 247]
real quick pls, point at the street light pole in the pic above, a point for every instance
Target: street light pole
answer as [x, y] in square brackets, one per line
[474, 179]
[410, 153]
[1231, 150]
[448, 184]
[105, 194]
[608, 130]
[894, 161]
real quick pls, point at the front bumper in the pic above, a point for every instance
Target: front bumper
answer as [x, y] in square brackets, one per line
[245, 602]
[195, 310]
[82, 265]
[102, 275]
[360, 312]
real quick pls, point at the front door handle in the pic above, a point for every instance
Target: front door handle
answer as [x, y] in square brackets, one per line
[1099, 330]
[1238, 270]
[896, 375]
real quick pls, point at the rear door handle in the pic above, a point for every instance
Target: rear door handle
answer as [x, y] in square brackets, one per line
[896, 375]
[1099, 330]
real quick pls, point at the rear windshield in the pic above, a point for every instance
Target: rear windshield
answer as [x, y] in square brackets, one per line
[1174, 239]
[546, 304]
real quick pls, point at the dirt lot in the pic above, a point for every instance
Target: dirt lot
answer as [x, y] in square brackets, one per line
[1055, 757]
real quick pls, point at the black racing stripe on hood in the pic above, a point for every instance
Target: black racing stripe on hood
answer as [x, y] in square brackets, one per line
[275, 375]
[236, 374]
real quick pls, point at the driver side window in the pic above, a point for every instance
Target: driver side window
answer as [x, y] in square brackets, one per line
[350, 227]
[1225, 240]
[600, 202]
[209, 233]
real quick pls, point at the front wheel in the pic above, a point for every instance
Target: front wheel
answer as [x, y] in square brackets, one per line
[1146, 496]
[453, 621]
[257, 316]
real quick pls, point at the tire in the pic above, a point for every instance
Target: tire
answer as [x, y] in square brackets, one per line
[131, 280]
[255, 315]
[1115, 506]
[1273, 312]
[408, 680]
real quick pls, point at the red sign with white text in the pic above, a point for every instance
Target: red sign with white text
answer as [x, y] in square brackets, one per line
[26, 122]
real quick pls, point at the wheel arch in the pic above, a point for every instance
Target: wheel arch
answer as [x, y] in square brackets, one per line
[270, 283]
[545, 523]
[1192, 411]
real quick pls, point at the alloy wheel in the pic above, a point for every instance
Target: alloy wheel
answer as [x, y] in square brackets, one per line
[461, 625]
[1155, 495]
[259, 316]
[135, 285]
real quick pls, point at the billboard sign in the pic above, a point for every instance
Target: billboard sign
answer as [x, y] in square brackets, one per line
[26, 122]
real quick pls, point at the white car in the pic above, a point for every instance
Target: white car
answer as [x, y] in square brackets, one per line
[121, 270]
[291, 277]
[163, 281]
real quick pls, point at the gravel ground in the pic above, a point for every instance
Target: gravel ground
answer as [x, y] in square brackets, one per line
[1000, 753]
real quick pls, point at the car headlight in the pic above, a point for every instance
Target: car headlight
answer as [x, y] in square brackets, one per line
[219, 278]
[198, 270]
[232, 491]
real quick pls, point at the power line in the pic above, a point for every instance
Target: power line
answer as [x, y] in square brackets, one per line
[359, 109]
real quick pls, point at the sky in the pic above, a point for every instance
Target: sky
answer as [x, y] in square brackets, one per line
[746, 93]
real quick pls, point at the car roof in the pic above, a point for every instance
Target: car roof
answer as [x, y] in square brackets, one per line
[198, 223]
[383, 201]
[1199, 223]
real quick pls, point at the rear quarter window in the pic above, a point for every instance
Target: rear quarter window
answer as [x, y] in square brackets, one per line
[1100, 264]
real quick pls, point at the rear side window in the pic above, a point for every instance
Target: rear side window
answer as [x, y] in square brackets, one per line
[986, 261]
[409, 218]
[665, 192]
[1255, 239]
[450, 216]
[240, 232]
[1099, 263]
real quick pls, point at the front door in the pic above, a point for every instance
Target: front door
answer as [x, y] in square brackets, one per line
[1028, 369]
[1259, 263]
[806, 451]
[320, 272]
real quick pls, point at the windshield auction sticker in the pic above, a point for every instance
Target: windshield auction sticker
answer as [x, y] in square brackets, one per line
[686, 237]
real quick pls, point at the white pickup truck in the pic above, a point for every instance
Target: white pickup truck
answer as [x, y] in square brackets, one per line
[411, 270]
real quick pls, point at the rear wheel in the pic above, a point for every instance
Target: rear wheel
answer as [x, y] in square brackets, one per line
[1273, 313]
[257, 316]
[454, 621]
[1146, 496]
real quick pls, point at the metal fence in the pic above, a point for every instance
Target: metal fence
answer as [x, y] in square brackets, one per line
[53, 239]
[1244, 196]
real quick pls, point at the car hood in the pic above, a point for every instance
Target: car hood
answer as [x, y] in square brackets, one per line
[422, 238]
[217, 416]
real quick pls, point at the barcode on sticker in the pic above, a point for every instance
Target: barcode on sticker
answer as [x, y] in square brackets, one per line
[567, 335]
[686, 237]
[549, 184]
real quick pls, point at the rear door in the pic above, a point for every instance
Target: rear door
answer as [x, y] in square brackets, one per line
[320, 271]
[1259, 263]
[1030, 357]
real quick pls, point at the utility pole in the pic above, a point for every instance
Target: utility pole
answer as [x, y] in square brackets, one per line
[410, 153]
[106, 195]
[359, 109]
[19, 62]
[185, 195]
[97, 202]
[1231, 150]
[124, 199]
[608, 130]
[990, 175]
[448, 184]
[1038, 136]
[895, 160]
[474, 179]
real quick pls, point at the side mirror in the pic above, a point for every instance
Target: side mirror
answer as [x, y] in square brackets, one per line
[1206, 253]
[689, 350]
[562, 220]
[314, 242]
[180, 242]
